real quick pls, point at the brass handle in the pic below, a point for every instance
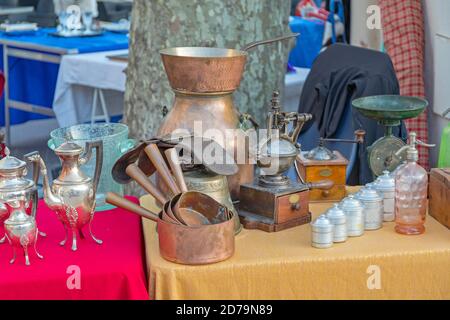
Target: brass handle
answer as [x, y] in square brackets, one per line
[322, 184]
[174, 162]
[295, 206]
[118, 201]
[156, 158]
[136, 173]
[326, 193]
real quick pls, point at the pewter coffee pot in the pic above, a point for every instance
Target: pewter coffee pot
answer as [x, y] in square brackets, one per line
[72, 194]
[14, 186]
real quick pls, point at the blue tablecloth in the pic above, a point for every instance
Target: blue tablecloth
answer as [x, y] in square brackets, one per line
[309, 42]
[34, 81]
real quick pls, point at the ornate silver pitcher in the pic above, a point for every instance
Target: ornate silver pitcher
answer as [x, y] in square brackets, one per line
[72, 194]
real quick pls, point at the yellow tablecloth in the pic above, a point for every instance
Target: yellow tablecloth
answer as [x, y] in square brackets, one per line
[379, 265]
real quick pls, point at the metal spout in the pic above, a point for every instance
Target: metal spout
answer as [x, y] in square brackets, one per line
[52, 201]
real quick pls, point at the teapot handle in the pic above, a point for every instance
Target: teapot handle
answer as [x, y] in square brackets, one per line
[35, 158]
[98, 145]
[36, 165]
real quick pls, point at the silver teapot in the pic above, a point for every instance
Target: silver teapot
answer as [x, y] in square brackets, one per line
[72, 194]
[13, 185]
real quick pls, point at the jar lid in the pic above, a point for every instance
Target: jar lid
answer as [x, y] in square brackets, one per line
[385, 181]
[322, 222]
[369, 194]
[10, 164]
[335, 212]
[351, 203]
[69, 148]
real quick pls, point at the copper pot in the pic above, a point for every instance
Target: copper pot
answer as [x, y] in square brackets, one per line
[203, 80]
[182, 244]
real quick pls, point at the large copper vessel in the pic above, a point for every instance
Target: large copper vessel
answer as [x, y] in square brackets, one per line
[203, 80]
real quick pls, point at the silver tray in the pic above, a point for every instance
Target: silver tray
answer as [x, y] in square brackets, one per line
[77, 34]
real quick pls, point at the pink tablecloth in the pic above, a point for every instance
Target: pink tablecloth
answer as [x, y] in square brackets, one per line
[113, 270]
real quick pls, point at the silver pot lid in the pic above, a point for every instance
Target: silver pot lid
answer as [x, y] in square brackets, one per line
[335, 212]
[385, 182]
[278, 147]
[320, 153]
[369, 195]
[322, 222]
[69, 148]
[350, 203]
[11, 164]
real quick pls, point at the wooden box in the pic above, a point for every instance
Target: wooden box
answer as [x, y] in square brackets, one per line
[439, 195]
[314, 170]
[272, 209]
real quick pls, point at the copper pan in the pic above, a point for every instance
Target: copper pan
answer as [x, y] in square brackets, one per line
[208, 70]
[182, 244]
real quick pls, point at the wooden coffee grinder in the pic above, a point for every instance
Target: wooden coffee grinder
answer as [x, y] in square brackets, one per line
[273, 202]
[321, 163]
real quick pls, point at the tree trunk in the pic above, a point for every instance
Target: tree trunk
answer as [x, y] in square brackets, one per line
[161, 24]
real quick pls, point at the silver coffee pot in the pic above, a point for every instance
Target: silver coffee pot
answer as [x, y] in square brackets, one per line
[18, 204]
[14, 184]
[72, 194]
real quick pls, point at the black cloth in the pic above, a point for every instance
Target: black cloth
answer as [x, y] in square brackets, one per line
[339, 75]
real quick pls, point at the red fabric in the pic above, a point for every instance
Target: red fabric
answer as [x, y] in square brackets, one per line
[112, 270]
[403, 34]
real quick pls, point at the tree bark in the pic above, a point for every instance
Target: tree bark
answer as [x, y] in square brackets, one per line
[161, 24]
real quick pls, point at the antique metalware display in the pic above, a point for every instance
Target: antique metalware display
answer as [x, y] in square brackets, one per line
[203, 80]
[385, 185]
[322, 163]
[273, 202]
[322, 231]
[114, 137]
[72, 194]
[193, 228]
[14, 186]
[389, 110]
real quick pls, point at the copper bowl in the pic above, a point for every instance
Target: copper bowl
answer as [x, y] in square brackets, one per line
[204, 70]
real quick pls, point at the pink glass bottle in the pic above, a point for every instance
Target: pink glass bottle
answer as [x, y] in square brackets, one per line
[411, 185]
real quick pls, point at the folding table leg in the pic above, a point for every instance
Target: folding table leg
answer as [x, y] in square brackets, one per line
[103, 105]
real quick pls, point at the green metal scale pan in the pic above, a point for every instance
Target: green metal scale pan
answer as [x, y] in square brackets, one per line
[389, 110]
